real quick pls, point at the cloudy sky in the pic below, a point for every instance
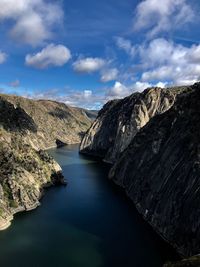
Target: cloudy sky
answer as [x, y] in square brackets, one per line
[85, 53]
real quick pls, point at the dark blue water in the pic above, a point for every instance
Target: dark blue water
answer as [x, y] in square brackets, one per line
[90, 223]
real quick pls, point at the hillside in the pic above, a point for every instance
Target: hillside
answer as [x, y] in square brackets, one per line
[52, 122]
[26, 128]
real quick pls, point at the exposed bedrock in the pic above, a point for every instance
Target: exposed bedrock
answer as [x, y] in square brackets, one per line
[120, 120]
[160, 172]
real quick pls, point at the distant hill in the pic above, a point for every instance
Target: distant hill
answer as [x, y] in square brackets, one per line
[51, 121]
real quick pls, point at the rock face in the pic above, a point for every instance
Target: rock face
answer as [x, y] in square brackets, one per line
[191, 262]
[157, 162]
[120, 120]
[160, 172]
[26, 127]
[24, 172]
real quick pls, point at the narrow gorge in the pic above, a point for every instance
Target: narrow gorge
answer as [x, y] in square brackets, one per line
[152, 139]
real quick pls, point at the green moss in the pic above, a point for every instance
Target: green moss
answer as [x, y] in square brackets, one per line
[1, 212]
[13, 204]
[7, 191]
[8, 195]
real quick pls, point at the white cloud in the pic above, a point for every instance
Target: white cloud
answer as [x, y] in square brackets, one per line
[118, 91]
[158, 51]
[161, 84]
[88, 65]
[109, 75]
[85, 98]
[3, 57]
[52, 55]
[157, 16]
[15, 83]
[30, 29]
[165, 60]
[141, 86]
[87, 93]
[126, 45]
[32, 21]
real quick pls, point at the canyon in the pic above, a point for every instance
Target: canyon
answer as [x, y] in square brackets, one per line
[152, 139]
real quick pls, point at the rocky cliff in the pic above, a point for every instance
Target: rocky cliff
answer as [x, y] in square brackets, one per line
[50, 123]
[120, 120]
[26, 127]
[160, 172]
[157, 158]
[191, 262]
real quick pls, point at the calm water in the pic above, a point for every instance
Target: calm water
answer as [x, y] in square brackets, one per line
[90, 223]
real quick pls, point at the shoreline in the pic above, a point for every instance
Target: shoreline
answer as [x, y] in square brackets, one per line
[5, 225]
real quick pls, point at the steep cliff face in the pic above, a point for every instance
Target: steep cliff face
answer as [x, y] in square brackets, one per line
[191, 262]
[51, 122]
[154, 140]
[120, 120]
[160, 172]
[23, 173]
[26, 127]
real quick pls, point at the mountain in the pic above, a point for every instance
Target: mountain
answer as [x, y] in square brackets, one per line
[159, 165]
[91, 114]
[120, 120]
[27, 127]
[53, 122]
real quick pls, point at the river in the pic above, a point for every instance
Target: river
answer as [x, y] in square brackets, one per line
[89, 223]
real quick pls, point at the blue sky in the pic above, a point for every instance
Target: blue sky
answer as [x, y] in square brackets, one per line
[85, 53]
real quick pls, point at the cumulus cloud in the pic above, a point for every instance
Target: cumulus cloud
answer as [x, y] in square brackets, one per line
[88, 65]
[32, 21]
[157, 16]
[109, 75]
[126, 45]
[141, 86]
[167, 61]
[51, 55]
[3, 57]
[118, 91]
[85, 98]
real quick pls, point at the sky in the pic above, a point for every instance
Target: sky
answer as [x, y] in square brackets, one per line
[85, 53]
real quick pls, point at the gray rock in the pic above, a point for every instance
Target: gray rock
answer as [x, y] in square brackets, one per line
[120, 120]
[160, 172]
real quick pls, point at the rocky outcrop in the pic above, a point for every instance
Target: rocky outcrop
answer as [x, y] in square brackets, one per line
[191, 262]
[160, 172]
[120, 120]
[24, 172]
[27, 127]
